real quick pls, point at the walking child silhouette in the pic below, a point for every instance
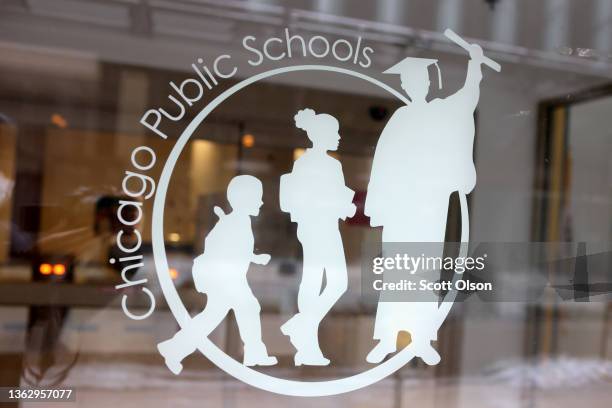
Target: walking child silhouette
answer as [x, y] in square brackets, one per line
[220, 273]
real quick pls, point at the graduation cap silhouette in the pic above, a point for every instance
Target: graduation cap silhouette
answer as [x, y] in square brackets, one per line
[416, 66]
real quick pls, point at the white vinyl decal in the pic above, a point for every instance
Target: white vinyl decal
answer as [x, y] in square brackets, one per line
[409, 204]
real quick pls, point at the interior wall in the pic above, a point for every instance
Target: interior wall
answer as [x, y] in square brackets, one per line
[590, 147]
[96, 166]
[7, 177]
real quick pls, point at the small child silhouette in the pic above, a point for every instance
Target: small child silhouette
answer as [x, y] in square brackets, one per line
[220, 273]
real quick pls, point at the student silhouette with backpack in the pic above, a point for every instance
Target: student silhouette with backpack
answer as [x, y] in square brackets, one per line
[220, 272]
[316, 196]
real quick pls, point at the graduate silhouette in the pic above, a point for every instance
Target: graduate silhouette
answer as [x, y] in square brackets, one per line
[423, 155]
[220, 273]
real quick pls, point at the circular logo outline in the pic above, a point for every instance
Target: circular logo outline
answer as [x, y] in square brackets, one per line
[208, 348]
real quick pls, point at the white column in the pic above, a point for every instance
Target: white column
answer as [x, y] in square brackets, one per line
[390, 11]
[556, 16]
[603, 26]
[503, 27]
[329, 6]
[450, 13]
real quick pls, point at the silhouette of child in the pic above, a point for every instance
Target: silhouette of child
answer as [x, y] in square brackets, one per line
[220, 273]
[316, 196]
